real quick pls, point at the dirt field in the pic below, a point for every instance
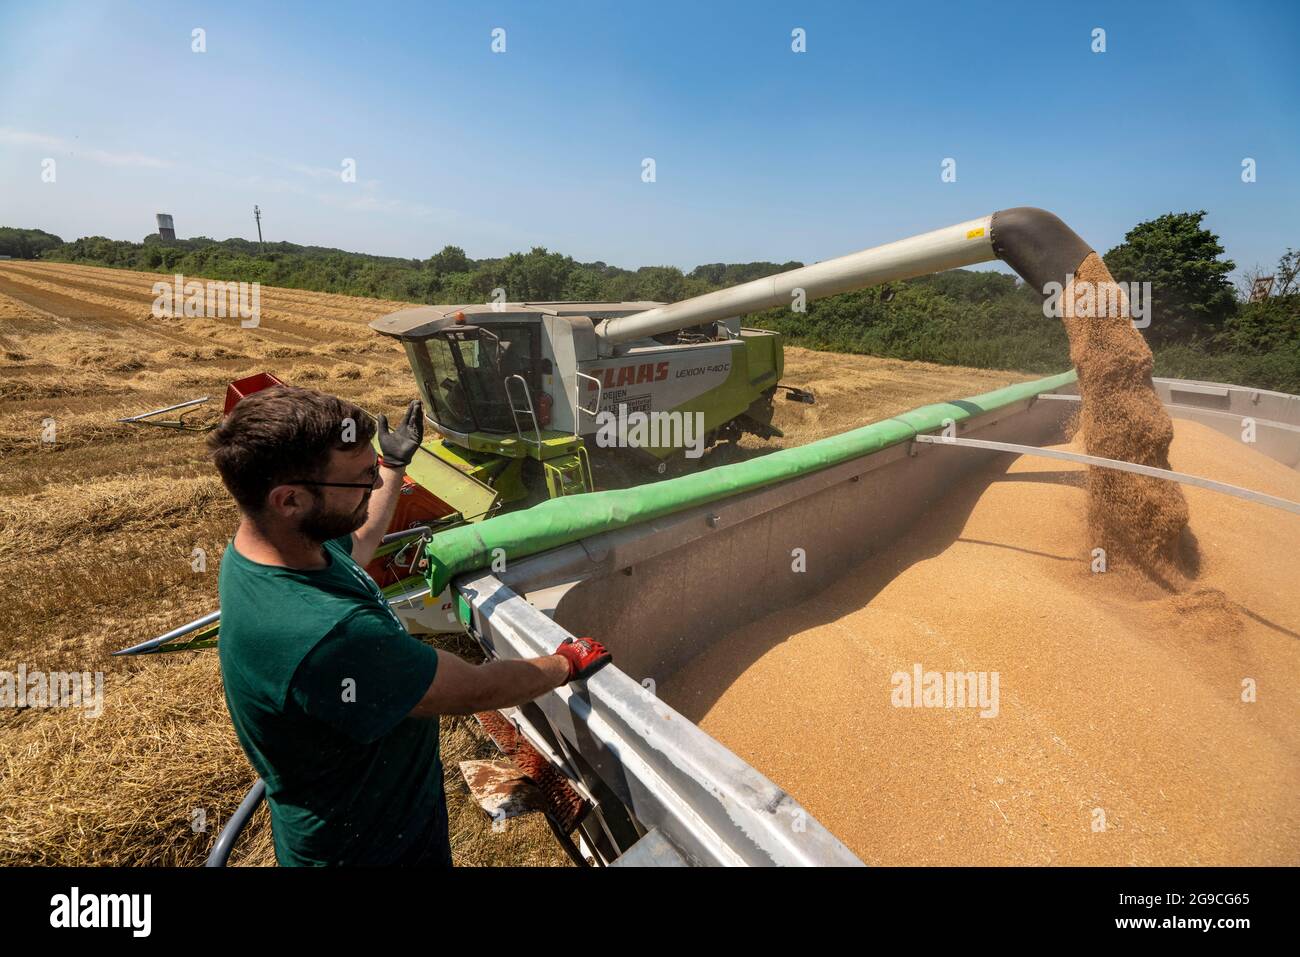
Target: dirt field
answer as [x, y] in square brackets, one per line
[98, 528]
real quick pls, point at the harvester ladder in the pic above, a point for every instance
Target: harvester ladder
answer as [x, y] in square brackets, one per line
[528, 410]
[569, 474]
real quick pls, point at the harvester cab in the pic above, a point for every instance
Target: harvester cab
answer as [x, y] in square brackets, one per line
[519, 391]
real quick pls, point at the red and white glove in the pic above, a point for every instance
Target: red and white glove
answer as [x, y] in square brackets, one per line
[585, 656]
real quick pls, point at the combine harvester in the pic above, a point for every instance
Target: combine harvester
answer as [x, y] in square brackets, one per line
[658, 572]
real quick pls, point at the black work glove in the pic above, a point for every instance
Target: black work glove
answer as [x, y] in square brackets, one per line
[398, 446]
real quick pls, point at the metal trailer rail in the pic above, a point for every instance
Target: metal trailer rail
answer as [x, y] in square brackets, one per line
[647, 771]
[689, 798]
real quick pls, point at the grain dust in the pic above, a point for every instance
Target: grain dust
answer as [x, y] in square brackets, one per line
[1135, 518]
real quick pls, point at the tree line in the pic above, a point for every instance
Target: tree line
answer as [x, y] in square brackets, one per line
[1201, 326]
[26, 243]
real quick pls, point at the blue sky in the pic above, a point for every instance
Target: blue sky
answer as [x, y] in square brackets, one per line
[760, 153]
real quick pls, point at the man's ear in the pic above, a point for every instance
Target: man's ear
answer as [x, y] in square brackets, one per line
[287, 500]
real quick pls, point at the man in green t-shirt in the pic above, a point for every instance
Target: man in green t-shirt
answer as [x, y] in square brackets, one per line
[333, 701]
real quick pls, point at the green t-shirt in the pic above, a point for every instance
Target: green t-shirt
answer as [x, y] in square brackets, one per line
[320, 677]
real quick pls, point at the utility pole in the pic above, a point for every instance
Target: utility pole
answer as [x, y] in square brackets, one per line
[257, 215]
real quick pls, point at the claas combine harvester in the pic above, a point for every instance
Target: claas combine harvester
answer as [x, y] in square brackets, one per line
[517, 389]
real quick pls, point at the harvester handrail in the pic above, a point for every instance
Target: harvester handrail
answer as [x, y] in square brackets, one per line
[577, 400]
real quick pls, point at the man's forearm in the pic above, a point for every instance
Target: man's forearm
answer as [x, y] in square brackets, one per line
[365, 540]
[505, 684]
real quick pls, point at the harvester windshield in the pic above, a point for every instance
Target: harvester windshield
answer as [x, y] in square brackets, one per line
[463, 372]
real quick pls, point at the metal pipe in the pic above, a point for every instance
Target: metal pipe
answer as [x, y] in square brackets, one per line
[1035, 243]
[949, 248]
[153, 643]
[406, 533]
[170, 408]
[1236, 491]
[220, 853]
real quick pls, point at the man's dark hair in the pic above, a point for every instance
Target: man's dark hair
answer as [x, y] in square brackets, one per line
[283, 433]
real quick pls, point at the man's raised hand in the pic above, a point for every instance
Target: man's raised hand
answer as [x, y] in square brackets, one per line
[398, 446]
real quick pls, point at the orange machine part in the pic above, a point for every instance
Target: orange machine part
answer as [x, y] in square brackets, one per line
[242, 388]
[415, 506]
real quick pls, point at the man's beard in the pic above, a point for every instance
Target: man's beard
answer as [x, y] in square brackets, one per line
[320, 526]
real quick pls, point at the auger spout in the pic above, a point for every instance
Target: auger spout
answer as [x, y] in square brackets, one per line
[1034, 242]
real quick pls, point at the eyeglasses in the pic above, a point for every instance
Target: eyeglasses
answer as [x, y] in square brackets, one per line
[374, 475]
